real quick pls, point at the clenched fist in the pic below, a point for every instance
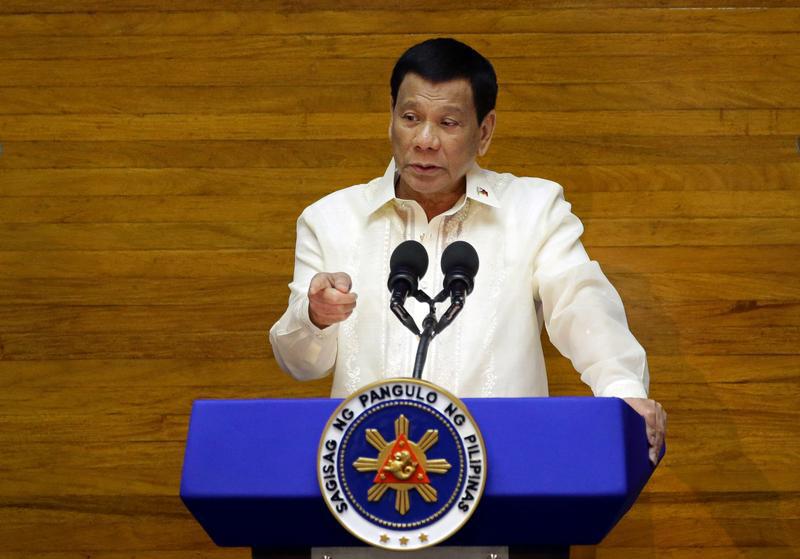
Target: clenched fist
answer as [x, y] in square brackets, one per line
[329, 298]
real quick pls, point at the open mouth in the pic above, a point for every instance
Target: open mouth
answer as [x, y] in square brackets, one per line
[424, 169]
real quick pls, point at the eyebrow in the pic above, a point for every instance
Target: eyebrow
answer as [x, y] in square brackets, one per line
[411, 104]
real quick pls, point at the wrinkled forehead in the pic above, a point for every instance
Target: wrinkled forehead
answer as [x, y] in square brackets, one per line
[452, 95]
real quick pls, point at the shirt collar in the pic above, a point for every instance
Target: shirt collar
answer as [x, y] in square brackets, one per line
[382, 190]
[479, 188]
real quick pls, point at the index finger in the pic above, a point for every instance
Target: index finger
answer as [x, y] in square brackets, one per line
[319, 282]
[342, 281]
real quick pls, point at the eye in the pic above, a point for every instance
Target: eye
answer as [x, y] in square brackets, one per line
[411, 117]
[449, 122]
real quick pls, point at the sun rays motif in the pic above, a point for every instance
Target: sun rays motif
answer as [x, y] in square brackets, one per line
[402, 465]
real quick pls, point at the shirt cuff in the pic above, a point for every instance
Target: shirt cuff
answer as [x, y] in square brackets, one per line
[624, 388]
[317, 332]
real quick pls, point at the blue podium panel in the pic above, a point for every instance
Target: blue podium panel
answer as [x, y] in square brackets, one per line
[561, 471]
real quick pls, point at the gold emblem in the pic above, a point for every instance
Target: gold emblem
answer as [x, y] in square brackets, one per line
[444, 463]
[402, 465]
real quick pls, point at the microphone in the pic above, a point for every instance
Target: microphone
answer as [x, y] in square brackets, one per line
[459, 265]
[408, 264]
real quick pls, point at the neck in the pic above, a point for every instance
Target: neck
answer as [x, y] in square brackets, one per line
[433, 204]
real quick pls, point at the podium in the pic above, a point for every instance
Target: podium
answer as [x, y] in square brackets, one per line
[561, 471]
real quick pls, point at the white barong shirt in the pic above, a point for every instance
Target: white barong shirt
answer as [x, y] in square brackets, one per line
[533, 271]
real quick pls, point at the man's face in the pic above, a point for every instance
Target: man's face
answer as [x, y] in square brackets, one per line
[435, 136]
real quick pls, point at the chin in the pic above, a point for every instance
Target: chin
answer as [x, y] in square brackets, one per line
[426, 187]
[424, 184]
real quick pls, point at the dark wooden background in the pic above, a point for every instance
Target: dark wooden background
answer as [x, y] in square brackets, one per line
[155, 156]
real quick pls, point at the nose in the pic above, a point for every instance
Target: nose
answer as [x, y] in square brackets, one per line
[426, 137]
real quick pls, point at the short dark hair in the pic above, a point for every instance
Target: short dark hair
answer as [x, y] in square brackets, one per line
[444, 59]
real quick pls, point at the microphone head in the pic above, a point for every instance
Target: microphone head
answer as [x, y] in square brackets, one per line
[460, 263]
[408, 264]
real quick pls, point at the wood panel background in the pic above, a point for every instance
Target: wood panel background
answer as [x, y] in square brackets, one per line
[156, 153]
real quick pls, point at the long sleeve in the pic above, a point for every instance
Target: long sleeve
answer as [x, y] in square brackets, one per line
[532, 264]
[583, 313]
[301, 349]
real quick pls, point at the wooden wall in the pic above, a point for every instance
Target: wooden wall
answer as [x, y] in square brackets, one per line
[156, 153]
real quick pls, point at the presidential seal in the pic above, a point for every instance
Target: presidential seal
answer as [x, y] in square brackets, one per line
[402, 464]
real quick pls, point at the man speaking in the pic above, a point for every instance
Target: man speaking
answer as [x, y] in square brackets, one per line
[534, 270]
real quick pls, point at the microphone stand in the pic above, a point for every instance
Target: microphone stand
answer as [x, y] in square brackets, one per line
[459, 265]
[430, 325]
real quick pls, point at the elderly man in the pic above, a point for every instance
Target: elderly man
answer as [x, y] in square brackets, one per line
[534, 270]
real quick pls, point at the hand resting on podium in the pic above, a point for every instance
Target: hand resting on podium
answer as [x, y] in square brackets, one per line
[656, 421]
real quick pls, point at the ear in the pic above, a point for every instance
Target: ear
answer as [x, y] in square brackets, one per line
[391, 116]
[486, 130]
